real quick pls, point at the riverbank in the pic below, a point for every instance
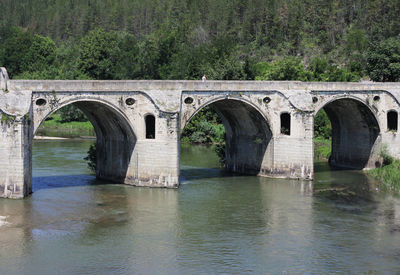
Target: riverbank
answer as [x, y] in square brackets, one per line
[322, 148]
[54, 127]
[388, 175]
[62, 138]
[46, 137]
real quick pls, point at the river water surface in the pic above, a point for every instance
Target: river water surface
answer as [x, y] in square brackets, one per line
[215, 223]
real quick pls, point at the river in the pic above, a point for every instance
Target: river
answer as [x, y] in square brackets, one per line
[215, 223]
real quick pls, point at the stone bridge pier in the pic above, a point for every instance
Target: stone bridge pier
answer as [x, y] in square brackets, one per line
[256, 140]
[269, 125]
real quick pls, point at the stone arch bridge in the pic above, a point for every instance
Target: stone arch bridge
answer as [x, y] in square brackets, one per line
[269, 125]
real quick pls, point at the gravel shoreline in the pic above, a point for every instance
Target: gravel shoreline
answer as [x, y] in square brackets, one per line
[46, 137]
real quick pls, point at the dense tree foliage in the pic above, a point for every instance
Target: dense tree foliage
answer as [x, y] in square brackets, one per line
[312, 40]
[71, 113]
[384, 60]
[322, 125]
[99, 52]
[292, 68]
[204, 127]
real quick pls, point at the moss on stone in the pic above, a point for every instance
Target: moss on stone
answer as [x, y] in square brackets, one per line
[7, 119]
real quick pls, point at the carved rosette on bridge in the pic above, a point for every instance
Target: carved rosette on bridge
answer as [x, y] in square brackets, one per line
[269, 125]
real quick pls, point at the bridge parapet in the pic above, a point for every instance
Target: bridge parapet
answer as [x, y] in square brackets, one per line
[189, 85]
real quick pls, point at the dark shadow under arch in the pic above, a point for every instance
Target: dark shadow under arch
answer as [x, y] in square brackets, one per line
[355, 134]
[248, 137]
[115, 139]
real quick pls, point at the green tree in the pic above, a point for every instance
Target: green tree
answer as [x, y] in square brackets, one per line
[322, 125]
[71, 113]
[289, 68]
[66, 61]
[384, 60]
[128, 66]
[99, 54]
[356, 45]
[321, 70]
[26, 55]
[13, 50]
[204, 127]
[40, 55]
[156, 53]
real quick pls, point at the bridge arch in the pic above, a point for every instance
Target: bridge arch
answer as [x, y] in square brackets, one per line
[248, 134]
[43, 111]
[115, 137]
[356, 133]
[220, 98]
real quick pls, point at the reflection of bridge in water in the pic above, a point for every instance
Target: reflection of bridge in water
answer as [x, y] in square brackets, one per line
[269, 125]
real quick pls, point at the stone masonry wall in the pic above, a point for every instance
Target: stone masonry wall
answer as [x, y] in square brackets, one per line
[16, 158]
[119, 122]
[251, 108]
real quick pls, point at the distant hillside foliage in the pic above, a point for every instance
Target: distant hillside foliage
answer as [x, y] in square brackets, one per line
[309, 40]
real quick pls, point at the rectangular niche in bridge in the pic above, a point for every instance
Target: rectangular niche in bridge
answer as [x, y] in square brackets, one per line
[285, 124]
[392, 118]
[150, 121]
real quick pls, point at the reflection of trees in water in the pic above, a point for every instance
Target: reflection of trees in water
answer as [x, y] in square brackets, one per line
[389, 214]
[347, 186]
[15, 236]
[349, 216]
[106, 208]
[216, 216]
[242, 219]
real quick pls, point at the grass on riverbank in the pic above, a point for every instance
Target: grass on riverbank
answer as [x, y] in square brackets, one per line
[54, 127]
[388, 175]
[322, 148]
